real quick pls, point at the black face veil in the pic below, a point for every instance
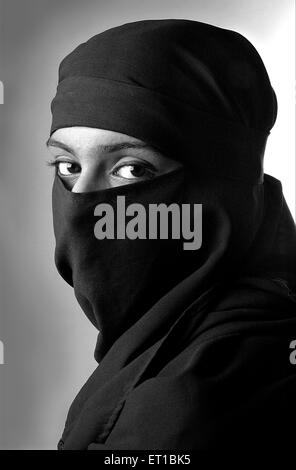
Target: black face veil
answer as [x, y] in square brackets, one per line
[201, 95]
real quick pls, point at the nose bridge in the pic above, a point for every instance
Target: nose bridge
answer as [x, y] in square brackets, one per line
[88, 180]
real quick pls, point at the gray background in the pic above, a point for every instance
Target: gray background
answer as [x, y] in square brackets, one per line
[49, 343]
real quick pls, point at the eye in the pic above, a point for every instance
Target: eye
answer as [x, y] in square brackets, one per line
[134, 170]
[67, 168]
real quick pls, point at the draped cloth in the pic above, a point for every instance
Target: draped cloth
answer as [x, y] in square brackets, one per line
[193, 348]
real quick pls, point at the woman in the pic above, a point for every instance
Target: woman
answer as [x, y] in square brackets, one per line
[193, 345]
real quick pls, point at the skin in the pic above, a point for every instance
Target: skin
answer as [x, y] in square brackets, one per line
[85, 161]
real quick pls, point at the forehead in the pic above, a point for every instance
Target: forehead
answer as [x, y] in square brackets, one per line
[87, 136]
[87, 142]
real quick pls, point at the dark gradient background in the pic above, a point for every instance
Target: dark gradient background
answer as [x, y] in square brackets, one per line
[49, 343]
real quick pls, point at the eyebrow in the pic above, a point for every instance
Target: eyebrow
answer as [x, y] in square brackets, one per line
[103, 148]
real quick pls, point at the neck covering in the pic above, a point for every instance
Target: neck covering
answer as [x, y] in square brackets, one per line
[192, 346]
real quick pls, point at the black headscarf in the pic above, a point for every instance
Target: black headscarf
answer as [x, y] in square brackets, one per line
[193, 347]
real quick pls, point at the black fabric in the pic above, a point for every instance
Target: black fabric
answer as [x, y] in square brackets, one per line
[174, 84]
[193, 347]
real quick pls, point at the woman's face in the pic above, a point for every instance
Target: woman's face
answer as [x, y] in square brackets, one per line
[90, 159]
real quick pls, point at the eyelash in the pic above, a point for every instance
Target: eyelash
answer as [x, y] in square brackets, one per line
[150, 168]
[53, 163]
